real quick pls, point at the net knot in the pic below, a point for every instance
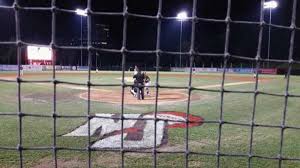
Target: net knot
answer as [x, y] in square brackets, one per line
[252, 124]
[293, 26]
[54, 115]
[227, 55]
[286, 94]
[291, 61]
[52, 45]
[158, 52]
[190, 89]
[16, 6]
[159, 16]
[125, 14]
[257, 58]
[90, 117]
[89, 83]
[54, 148]
[157, 85]
[20, 114]
[187, 152]
[54, 81]
[192, 52]
[19, 147]
[89, 11]
[89, 148]
[228, 20]
[123, 50]
[19, 43]
[53, 9]
[122, 117]
[123, 84]
[19, 80]
[90, 48]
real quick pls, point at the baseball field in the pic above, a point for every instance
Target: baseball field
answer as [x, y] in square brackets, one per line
[269, 111]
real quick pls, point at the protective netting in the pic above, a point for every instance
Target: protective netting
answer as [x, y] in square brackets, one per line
[192, 53]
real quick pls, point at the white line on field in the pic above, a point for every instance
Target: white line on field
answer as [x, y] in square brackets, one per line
[199, 87]
[226, 84]
[79, 87]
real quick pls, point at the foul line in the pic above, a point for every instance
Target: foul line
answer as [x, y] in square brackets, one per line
[226, 84]
[198, 87]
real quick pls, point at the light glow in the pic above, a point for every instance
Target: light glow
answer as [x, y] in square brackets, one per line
[182, 16]
[270, 5]
[39, 53]
[81, 12]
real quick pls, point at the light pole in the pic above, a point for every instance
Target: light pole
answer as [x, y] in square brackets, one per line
[270, 5]
[81, 13]
[181, 16]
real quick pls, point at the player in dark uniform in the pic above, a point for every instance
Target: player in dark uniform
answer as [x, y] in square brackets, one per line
[139, 84]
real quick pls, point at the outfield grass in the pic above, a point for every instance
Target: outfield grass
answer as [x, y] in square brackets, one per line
[238, 107]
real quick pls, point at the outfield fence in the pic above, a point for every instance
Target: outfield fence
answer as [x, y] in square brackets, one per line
[229, 70]
[124, 51]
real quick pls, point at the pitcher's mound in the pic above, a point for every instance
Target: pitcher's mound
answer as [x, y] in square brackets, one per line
[115, 96]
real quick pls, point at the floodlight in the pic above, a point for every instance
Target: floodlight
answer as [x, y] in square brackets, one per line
[182, 16]
[81, 12]
[270, 5]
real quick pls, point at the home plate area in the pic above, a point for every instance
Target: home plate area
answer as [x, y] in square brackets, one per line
[138, 129]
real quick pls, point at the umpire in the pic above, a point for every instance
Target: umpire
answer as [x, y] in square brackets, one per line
[139, 84]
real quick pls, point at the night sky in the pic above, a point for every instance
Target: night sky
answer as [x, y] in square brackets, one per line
[141, 34]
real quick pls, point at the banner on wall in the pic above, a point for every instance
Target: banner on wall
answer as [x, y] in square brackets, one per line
[83, 68]
[272, 71]
[8, 67]
[230, 70]
[32, 67]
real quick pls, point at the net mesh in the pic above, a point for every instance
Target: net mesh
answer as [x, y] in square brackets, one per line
[192, 53]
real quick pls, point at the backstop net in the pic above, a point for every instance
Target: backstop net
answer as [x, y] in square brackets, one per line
[191, 53]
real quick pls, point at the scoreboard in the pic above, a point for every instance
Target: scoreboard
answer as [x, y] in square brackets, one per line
[39, 55]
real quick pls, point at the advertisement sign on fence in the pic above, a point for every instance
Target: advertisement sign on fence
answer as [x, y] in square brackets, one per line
[267, 71]
[83, 68]
[187, 69]
[8, 67]
[32, 67]
[230, 70]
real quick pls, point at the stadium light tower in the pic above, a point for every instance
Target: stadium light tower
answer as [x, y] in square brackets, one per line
[181, 16]
[81, 13]
[270, 5]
